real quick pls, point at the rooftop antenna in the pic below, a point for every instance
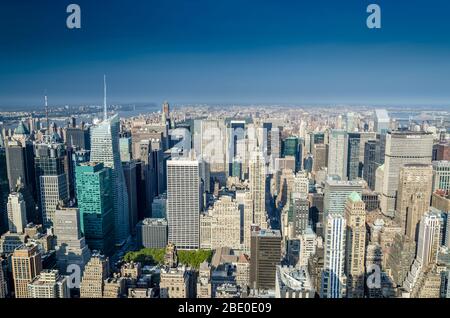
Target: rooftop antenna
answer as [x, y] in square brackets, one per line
[105, 110]
[46, 113]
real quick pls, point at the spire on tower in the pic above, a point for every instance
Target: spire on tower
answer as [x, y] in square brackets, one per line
[46, 114]
[105, 110]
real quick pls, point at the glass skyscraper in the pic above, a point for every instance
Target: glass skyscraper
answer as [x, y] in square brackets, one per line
[95, 202]
[105, 149]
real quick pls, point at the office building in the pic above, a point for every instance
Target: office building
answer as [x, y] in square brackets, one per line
[414, 195]
[382, 121]
[26, 263]
[402, 147]
[441, 175]
[265, 256]
[71, 248]
[183, 202]
[51, 178]
[48, 284]
[152, 233]
[94, 276]
[130, 175]
[337, 154]
[105, 149]
[178, 282]
[355, 217]
[336, 194]
[95, 201]
[257, 178]
[333, 276]
[17, 213]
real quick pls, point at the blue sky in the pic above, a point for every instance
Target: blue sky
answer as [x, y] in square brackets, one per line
[217, 51]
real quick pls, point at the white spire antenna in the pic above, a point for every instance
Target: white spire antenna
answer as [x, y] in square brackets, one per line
[46, 113]
[105, 110]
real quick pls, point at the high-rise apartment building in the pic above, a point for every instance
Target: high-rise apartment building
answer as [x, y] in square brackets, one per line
[183, 202]
[355, 217]
[402, 147]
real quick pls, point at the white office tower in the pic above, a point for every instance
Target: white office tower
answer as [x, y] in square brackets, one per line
[71, 248]
[429, 237]
[336, 194]
[427, 247]
[183, 202]
[257, 175]
[402, 147]
[17, 213]
[105, 149]
[293, 282]
[333, 277]
[382, 121]
[337, 154]
[210, 146]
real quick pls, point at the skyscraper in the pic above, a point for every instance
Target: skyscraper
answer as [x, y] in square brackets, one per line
[265, 256]
[355, 216]
[382, 121]
[337, 153]
[183, 202]
[257, 176]
[441, 175]
[26, 265]
[95, 274]
[95, 201]
[17, 213]
[291, 147]
[51, 177]
[336, 194]
[413, 198]
[373, 158]
[20, 159]
[105, 149]
[71, 248]
[402, 147]
[354, 167]
[333, 276]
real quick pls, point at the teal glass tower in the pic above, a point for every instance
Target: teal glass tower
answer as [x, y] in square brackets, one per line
[291, 147]
[95, 202]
